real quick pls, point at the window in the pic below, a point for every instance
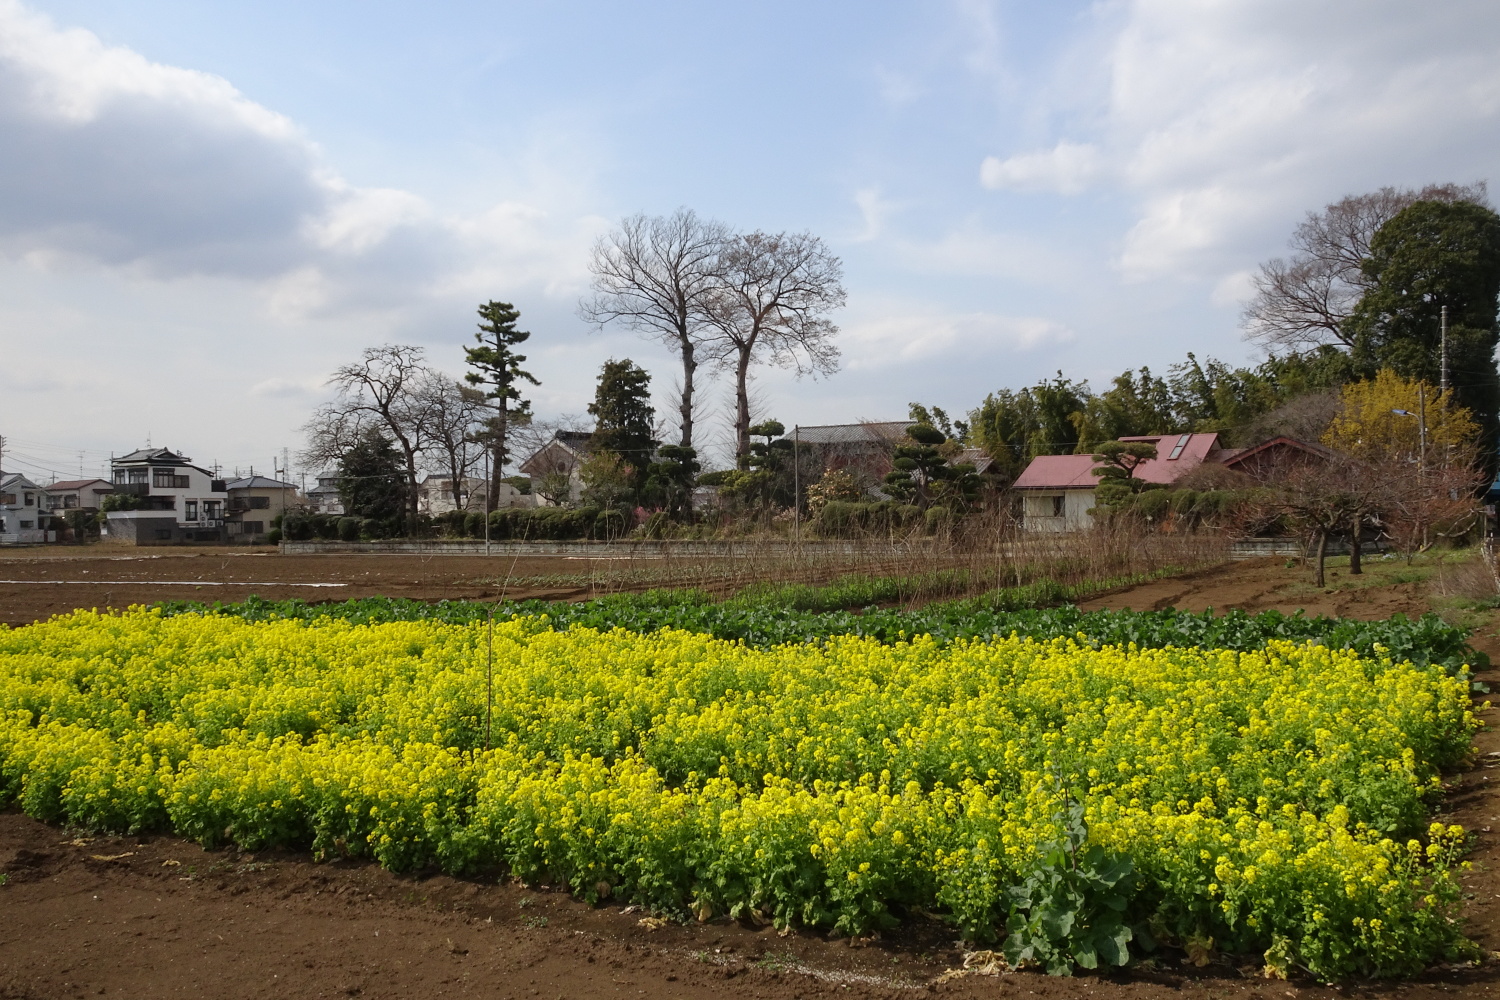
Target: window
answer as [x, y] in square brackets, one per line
[253, 527]
[70, 501]
[1182, 443]
[138, 475]
[1046, 505]
[167, 480]
[163, 534]
[259, 503]
[8, 498]
[31, 499]
[27, 524]
[190, 510]
[213, 509]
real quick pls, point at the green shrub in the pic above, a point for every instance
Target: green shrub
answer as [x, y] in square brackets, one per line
[348, 529]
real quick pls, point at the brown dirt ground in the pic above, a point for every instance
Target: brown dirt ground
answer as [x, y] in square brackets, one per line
[38, 583]
[156, 916]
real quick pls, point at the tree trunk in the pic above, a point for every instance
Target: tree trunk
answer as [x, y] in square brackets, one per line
[1322, 550]
[497, 456]
[689, 368]
[1356, 524]
[742, 406]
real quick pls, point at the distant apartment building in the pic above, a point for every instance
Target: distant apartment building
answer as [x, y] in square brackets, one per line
[173, 500]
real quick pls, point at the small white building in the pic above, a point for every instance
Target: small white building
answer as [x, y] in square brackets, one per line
[1057, 491]
[254, 504]
[177, 500]
[23, 511]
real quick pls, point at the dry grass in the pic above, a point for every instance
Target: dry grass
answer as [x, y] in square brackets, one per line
[978, 558]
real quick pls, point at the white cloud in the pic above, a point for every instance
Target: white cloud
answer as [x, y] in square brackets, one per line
[1067, 168]
[1222, 123]
[923, 335]
[112, 159]
[286, 388]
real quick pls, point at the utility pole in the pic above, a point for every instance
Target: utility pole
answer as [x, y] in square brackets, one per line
[796, 487]
[1421, 428]
[487, 494]
[1443, 376]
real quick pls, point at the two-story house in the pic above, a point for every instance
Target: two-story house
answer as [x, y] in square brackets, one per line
[255, 502]
[23, 511]
[172, 500]
[78, 494]
[324, 498]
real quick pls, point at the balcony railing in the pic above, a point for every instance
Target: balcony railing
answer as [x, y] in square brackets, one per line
[133, 489]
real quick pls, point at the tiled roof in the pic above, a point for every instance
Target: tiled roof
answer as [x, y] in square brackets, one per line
[78, 484]
[258, 483]
[162, 455]
[879, 430]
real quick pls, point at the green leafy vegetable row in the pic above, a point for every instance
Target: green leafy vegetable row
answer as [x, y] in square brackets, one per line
[763, 624]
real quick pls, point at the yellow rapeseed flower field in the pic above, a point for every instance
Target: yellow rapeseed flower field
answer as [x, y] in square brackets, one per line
[1275, 801]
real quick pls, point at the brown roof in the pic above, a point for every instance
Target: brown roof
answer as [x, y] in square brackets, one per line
[78, 484]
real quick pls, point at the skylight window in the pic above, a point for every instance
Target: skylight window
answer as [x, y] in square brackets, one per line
[1177, 448]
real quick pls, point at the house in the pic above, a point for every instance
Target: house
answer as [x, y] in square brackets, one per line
[1270, 459]
[556, 468]
[435, 495]
[78, 494]
[865, 449]
[170, 500]
[324, 498]
[23, 511]
[1057, 491]
[253, 505]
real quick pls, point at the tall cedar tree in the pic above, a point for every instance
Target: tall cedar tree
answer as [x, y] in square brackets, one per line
[623, 416]
[372, 478]
[497, 367]
[1435, 254]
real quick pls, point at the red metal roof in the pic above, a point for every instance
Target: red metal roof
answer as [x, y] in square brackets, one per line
[1076, 471]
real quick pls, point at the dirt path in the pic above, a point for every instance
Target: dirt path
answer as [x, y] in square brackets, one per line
[155, 916]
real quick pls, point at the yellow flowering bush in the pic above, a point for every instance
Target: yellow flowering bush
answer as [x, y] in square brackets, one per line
[1274, 800]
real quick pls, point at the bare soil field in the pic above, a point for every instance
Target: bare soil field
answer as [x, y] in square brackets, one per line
[156, 916]
[38, 583]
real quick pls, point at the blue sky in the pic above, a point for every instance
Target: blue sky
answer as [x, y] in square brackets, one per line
[206, 207]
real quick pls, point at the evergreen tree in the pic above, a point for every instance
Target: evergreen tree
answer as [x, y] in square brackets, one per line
[670, 480]
[372, 478]
[497, 367]
[623, 416]
[1430, 255]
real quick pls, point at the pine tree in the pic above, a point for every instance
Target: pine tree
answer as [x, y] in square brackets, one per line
[497, 367]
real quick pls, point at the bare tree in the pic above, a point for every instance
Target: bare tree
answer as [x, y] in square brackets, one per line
[770, 299]
[653, 274]
[1304, 300]
[456, 417]
[379, 391]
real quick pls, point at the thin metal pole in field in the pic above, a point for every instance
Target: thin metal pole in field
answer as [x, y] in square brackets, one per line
[489, 676]
[796, 487]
